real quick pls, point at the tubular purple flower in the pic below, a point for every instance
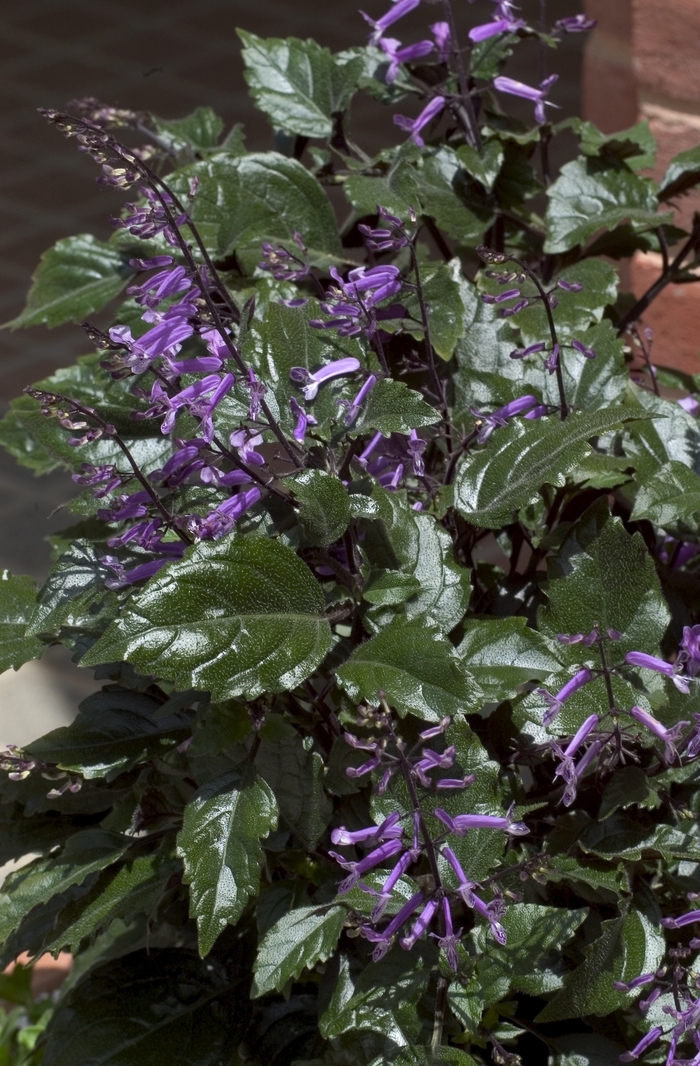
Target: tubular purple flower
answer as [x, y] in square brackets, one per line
[462, 823]
[357, 869]
[414, 126]
[518, 88]
[690, 646]
[569, 286]
[500, 417]
[579, 638]
[304, 419]
[443, 39]
[382, 938]
[552, 362]
[684, 919]
[521, 353]
[360, 771]
[579, 737]
[690, 404]
[670, 736]
[651, 662]
[130, 577]
[436, 730]
[416, 446]
[636, 982]
[456, 782]
[465, 886]
[354, 408]
[385, 895]
[589, 353]
[388, 830]
[644, 1043]
[538, 412]
[256, 390]
[450, 940]
[575, 24]
[422, 922]
[555, 703]
[311, 382]
[400, 8]
[398, 55]
[395, 480]
[363, 457]
[487, 911]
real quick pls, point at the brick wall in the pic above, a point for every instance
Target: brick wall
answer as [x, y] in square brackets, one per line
[643, 61]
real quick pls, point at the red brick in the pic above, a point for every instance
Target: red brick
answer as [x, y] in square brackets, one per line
[674, 316]
[675, 131]
[665, 43]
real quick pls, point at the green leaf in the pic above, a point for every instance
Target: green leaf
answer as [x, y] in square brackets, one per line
[604, 578]
[123, 893]
[593, 383]
[199, 130]
[670, 435]
[507, 474]
[586, 1049]
[155, 1007]
[75, 278]
[296, 942]
[636, 145]
[382, 1000]
[84, 853]
[423, 1056]
[245, 200]
[592, 194]
[298, 84]
[629, 946]
[237, 616]
[295, 774]
[416, 544]
[220, 846]
[389, 587]
[74, 585]
[442, 289]
[503, 653]
[394, 408]
[325, 512]
[595, 874]
[484, 165]
[533, 932]
[416, 668]
[575, 311]
[683, 174]
[629, 785]
[115, 729]
[17, 603]
[451, 197]
[668, 496]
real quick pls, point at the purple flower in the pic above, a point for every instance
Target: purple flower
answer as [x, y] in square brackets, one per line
[166, 283]
[303, 418]
[521, 353]
[670, 736]
[690, 647]
[518, 88]
[312, 382]
[556, 702]
[589, 353]
[684, 919]
[422, 922]
[580, 638]
[450, 940]
[462, 823]
[650, 662]
[575, 24]
[414, 126]
[644, 1043]
[165, 338]
[443, 39]
[490, 29]
[383, 939]
[124, 577]
[552, 362]
[501, 416]
[465, 886]
[398, 55]
[690, 404]
[569, 286]
[222, 519]
[491, 912]
[388, 830]
[400, 8]
[416, 446]
[396, 874]
[353, 409]
[256, 391]
[636, 982]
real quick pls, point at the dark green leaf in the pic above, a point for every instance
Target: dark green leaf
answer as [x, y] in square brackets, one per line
[604, 578]
[416, 668]
[423, 1056]
[636, 145]
[389, 587]
[325, 506]
[245, 200]
[669, 495]
[85, 853]
[507, 474]
[672, 434]
[220, 846]
[589, 871]
[575, 311]
[199, 130]
[586, 1049]
[237, 616]
[503, 653]
[155, 1007]
[629, 785]
[451, 197]
[298, 84]
[114, 730]
[123, 893]
[593, 383]
[394, 408]
[683, 174]
[484, 165]
[75, 278]
[17, 604]
[295, 774]
[533, 932]
[75, 583]
[590, 195]
[296, 942]
[629, 946]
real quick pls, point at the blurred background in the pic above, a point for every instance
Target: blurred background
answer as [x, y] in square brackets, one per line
[170, 57]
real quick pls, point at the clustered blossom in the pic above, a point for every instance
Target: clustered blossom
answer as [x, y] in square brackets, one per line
[404, 839]
[353, 303]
